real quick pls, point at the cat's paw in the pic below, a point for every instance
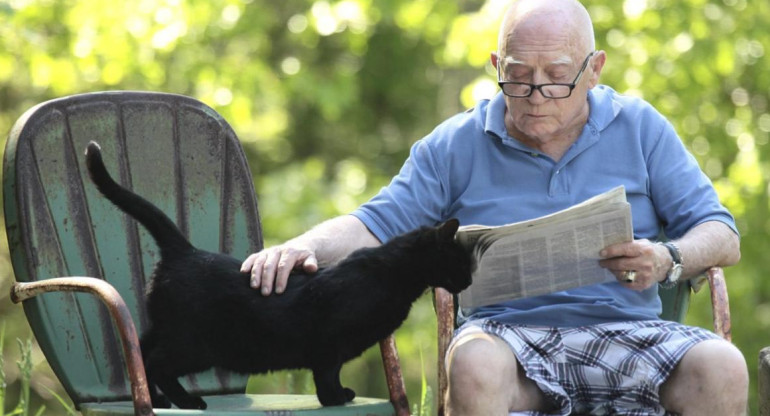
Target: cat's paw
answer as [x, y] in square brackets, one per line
[335, 397]
[200, 404]
[160, 401]
[338, 398]
[349, 394]
[193, 403]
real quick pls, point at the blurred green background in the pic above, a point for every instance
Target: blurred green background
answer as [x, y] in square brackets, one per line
[327, 96]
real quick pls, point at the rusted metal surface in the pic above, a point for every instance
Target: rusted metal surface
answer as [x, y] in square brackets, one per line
[121, 317]
[173, 150]
[763, 380]
[393, 376]
[445, 312]
[179, 154]
[720, 303]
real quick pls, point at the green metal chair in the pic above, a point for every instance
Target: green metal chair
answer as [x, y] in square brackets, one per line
[65, 238]
[675, 300]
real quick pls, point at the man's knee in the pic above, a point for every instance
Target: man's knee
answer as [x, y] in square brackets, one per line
[480, 359]
[719, 361]
[713, 374]
[480, 368]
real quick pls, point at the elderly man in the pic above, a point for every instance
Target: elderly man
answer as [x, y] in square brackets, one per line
[554, 137]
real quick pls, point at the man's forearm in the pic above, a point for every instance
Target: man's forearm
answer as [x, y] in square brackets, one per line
[334, 239]
[707, 245]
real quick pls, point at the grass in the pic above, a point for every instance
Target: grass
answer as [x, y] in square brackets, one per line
[25, 370]
[425, 407]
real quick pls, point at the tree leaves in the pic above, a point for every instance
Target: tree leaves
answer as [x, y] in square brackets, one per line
[327, 96]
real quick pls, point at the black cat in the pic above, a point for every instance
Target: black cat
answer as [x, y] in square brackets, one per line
[204, 314]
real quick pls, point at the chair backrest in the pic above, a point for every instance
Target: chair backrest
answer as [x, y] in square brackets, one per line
[173, 150]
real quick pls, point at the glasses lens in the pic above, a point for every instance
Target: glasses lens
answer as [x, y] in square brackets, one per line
[556, 91]
[517, 90]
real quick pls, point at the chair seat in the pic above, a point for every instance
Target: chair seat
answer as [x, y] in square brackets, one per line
[256, 405]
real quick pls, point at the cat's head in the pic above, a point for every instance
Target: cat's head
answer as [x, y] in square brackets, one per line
[450, 263]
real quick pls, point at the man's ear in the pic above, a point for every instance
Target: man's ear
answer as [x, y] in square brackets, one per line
[597, 63]
[493, 58]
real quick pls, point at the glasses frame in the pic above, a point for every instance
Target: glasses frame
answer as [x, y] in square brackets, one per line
[539, 87]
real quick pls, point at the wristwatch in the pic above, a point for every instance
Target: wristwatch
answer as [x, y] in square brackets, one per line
[672, 277]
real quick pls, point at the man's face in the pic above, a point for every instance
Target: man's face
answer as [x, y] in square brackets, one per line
[546, 53]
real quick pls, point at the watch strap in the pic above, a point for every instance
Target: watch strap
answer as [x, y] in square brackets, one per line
[676, 256]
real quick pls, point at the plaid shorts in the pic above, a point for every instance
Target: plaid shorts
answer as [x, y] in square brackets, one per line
[606, 369]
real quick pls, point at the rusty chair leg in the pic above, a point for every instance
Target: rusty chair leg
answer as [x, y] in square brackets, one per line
[445, 312]
[394, 376]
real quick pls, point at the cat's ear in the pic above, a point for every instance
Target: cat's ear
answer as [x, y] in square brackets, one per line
[447, 230]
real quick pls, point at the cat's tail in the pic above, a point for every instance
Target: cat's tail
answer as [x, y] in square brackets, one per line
[166, 234]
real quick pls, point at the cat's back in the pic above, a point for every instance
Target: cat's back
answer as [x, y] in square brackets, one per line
[205, 284]
[194, 283]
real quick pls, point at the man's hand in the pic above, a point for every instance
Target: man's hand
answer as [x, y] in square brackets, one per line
[650, 261]
[271, 267]
[327, 243]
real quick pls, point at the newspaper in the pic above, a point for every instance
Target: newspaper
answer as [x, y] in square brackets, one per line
[548, 254]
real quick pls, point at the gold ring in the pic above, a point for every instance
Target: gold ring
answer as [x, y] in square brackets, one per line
[630, 276]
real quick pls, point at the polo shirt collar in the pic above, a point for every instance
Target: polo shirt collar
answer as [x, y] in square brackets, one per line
[602, 100]
[495, 118]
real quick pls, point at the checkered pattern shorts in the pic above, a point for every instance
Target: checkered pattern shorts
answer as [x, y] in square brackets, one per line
[606, 369]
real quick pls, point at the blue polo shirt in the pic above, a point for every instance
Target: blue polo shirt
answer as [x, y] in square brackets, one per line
[469, 168]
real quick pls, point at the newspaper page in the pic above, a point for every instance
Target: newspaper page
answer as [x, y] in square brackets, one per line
[556, 252]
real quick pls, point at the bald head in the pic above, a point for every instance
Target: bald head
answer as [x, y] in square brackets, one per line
[566, 21]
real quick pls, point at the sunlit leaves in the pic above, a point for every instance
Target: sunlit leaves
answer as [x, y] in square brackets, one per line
[328, 95]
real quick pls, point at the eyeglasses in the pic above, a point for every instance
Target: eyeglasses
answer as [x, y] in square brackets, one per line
[553, 90]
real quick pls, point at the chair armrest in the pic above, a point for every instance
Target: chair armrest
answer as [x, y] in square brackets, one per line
[763, 379]
[720, 302]
[117, 309]
[393, 376]
[445, 315]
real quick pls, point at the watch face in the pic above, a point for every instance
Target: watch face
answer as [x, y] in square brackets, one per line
[675, 272]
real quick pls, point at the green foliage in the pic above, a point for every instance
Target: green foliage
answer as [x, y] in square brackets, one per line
[328, 95]
[25, 369]
[425, 406]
